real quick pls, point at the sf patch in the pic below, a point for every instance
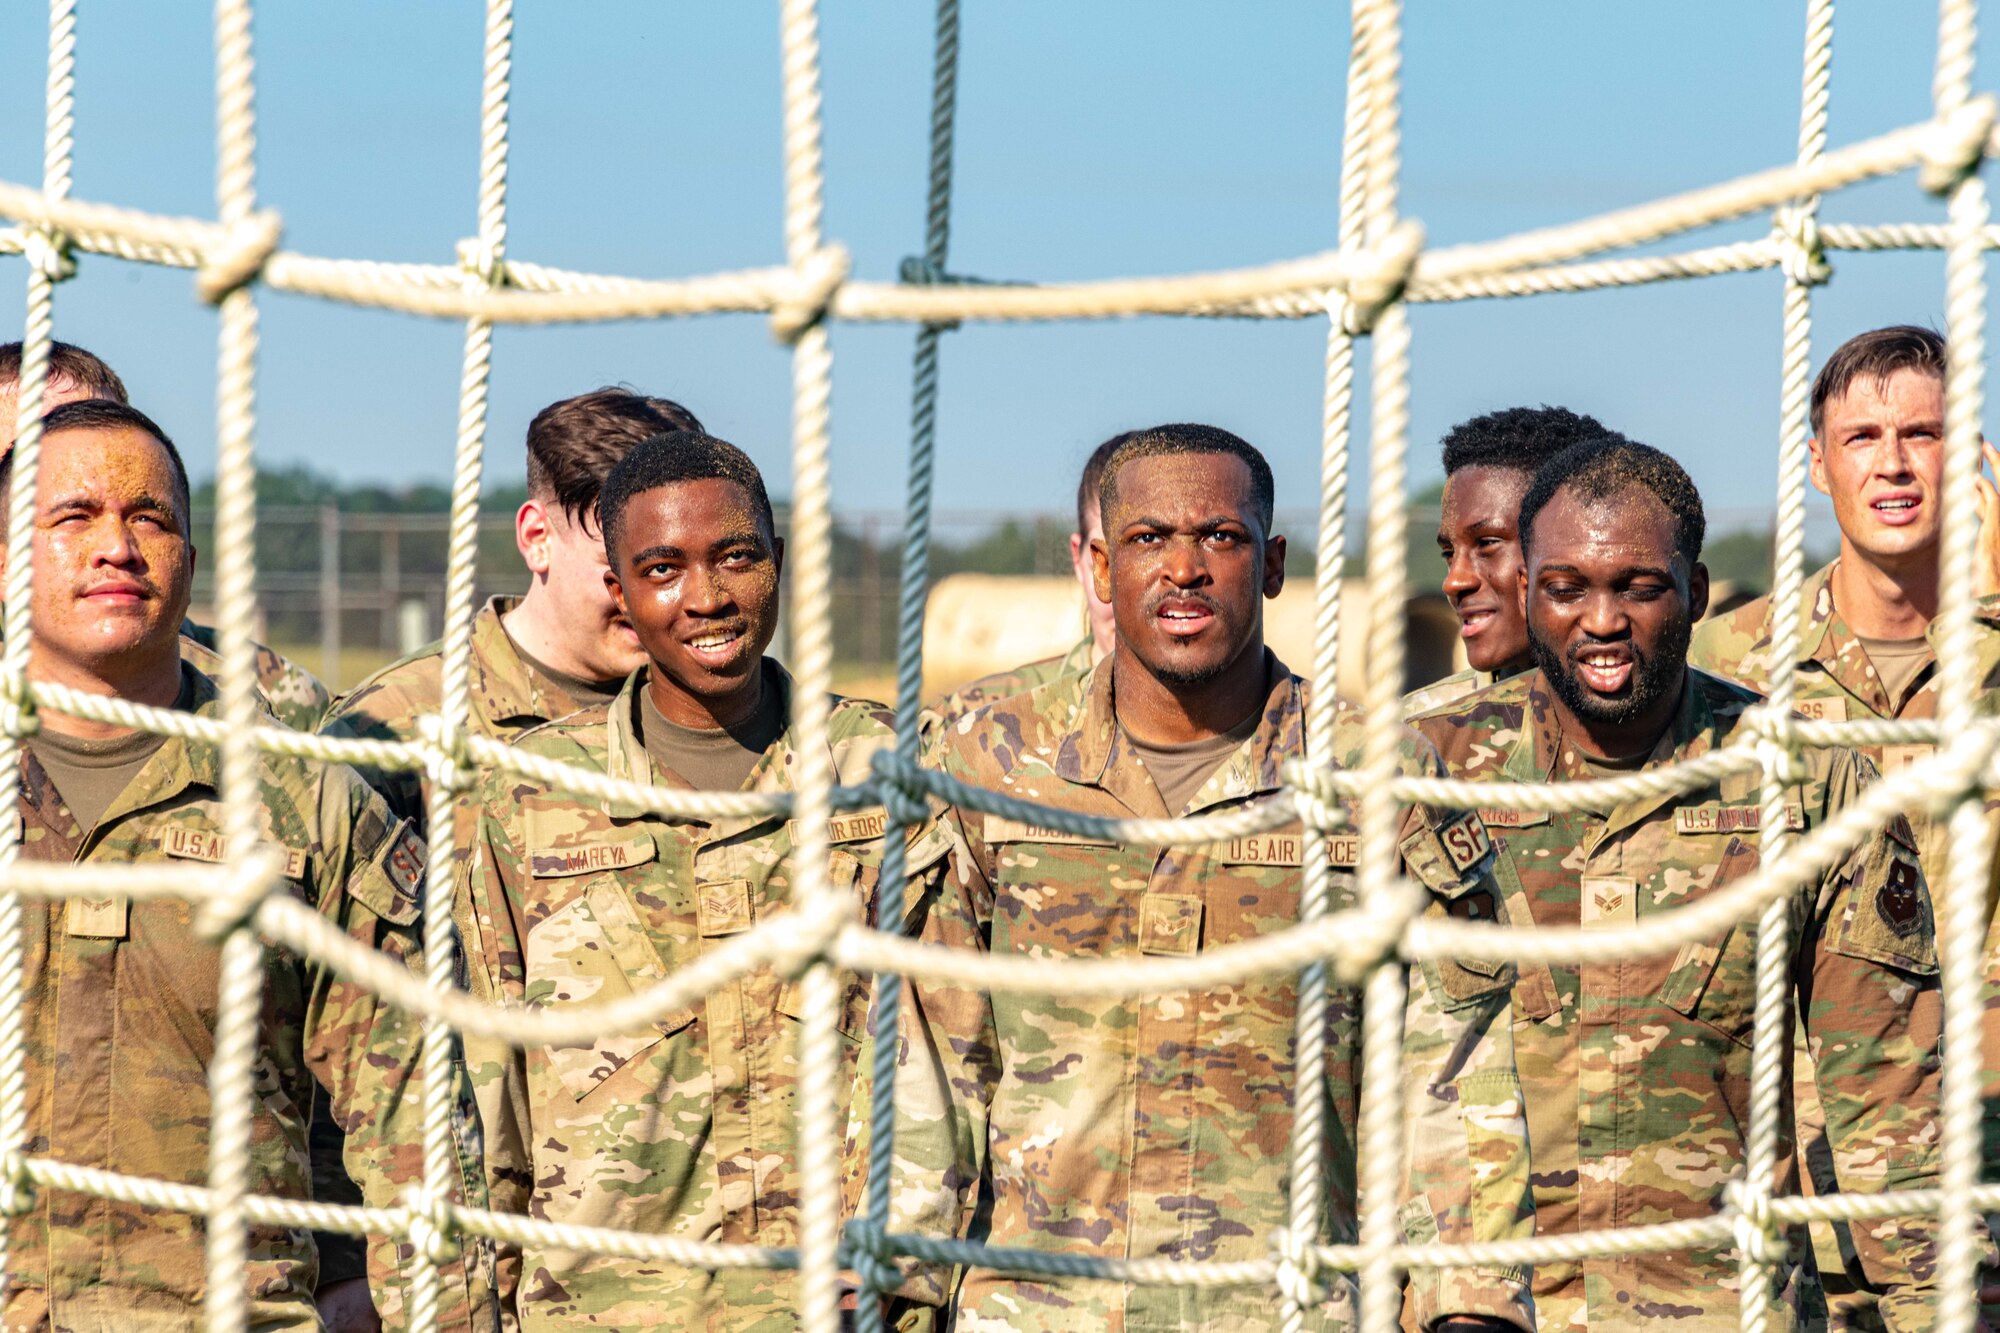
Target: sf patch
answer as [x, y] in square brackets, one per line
[1900, 900]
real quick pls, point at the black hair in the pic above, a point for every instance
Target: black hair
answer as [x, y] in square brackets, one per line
[669, 458]
[1520, 439]
[103, 414]
[1187, 438]
[1601, 468]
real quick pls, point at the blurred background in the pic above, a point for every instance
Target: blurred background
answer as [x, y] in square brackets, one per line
[1107, 139]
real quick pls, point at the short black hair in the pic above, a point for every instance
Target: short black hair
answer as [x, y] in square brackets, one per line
[1599, 469]
[574, 444]
[1189, 438]
[103, 414]
[1520, 439]
[667, 459]
[67, 362]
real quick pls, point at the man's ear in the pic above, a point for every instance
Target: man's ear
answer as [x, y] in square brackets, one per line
[1274, 567]
[1521, 588]
[1697, 592]
[1100, 569]
[533, 532]
[616, 589]
[1817, 472]
[778, 554]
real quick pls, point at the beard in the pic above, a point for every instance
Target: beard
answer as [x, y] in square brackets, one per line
[1655, 676]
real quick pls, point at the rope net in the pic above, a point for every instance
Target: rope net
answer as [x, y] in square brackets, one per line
[1361, 288]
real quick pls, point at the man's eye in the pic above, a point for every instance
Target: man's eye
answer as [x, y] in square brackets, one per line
[1562, 592]
[1444, 552]
[1645, 592]
[1144, 538]
[1224, 539]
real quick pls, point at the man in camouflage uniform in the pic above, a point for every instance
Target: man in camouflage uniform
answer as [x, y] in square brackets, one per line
[1084, 654]
[687, 1128]
[1877, 450]
[121, 996]
[1641, 1068]
[1488, 463]
[1158, 1126]
[296, 696]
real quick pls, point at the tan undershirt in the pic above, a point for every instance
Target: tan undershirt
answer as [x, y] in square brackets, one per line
[587, 693]
[1899, 662]
[89, 775]
[1179, 770]
[717, 760]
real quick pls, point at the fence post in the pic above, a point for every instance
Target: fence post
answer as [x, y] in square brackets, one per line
[392, 586]
[329, 594]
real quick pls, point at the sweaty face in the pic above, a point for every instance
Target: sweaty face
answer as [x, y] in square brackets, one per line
[697, 575]
[1880, 455]
[1482, 557]
[1611, 606]
[113, 564]
[1186, 564]
[600, 640]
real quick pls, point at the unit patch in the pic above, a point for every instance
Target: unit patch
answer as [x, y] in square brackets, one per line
[1610, 902]
[1899, 901]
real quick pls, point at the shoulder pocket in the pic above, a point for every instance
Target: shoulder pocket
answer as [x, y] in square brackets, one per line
[391, 884]
[1451, 855]
[1885, 915]
[594, 948]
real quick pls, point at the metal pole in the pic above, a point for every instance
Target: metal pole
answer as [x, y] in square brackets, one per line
[329, 594]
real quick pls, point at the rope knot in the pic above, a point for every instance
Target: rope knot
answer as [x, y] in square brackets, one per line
[1753, 1227]
[240, 895]
[450, 765]
[1376, 277]
[869, 1255]
[1774, 745]
[1953, 146]
[48, 251]
[17, 1187]
[430, 1224]
[920, 272]
[482, 263]
[905, 802]
[1805, 254]
[1298, 1269]
[246, 246]
[813, 287]
[18, 717]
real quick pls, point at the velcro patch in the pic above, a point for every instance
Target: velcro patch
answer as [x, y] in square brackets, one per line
[96, 918]
[1896, 758]
[1833, 709]
[1288, 849]
[1465, 842]
[1715, 817]
[1169, 923]
[998, 829]
[724, 906]
[1899, 902]
[588, 856]
[405, 862]
[194, 844]
[1513, 818]
[857, 826]
[1610, 902]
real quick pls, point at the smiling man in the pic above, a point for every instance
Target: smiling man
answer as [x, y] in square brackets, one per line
[121, 996]
[1488, 463]
[1157, 1126]
[687, 1127]
[1612, 582]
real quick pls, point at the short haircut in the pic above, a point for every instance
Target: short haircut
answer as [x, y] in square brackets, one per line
[669, 459]
[1519, 439]
[573, 445]
[103, 414]
[68, 362]
[1187, 438]
[1599, 469]
[1089, 486]
[1876, 355]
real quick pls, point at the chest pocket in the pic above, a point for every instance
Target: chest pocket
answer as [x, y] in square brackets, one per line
[1063, 895]
[1714, 981]
[593, 948]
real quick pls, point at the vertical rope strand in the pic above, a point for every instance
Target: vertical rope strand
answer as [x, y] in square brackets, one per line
[45, 269]
[1309, 1115]
[1762, 1243]
[811, 549]
[1963, 928]
[914, 575]
[239, 1001]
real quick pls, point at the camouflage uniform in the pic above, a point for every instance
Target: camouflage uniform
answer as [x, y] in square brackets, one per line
[296, 696]
[1449, 690]
[120, 1011]
[1002, 684]
[687, 1128]
[1159, 1126]
[1642, 1067]
[508, 697]
[1834, 682]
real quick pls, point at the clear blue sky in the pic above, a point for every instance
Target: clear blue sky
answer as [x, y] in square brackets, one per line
[1095, 139]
